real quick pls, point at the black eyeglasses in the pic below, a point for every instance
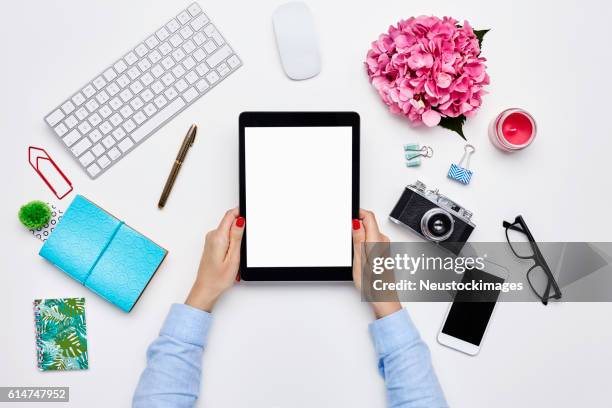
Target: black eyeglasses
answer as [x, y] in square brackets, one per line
[539, 276]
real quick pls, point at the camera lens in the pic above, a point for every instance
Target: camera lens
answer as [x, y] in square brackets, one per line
[437, 225]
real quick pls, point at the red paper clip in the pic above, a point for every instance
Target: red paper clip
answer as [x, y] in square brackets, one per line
[51, 174]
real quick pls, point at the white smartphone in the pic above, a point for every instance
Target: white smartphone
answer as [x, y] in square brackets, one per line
[466, 322]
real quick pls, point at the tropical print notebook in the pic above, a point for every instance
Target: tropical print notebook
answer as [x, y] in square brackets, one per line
[61, 334]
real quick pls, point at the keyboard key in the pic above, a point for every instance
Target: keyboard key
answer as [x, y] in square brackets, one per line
[199, 22]
[114, 153]
[150, 109]
[183, 17]
[140, 117]
[191, 77]
[95, 135]
[119, 134]
[80, 148]
[188, 47]
[202, 85]
[60, 129]
[190, 94]
[202, 69]
[84, 128]
[173, 25]
[112, 89]
[181, 85]
[178, 55]
[78, 98]
[89, 91]
[126, 144]
[92, 105]
[219, 55]
[110, 74]
[157, 71]
[116, 119]
[104, 161]
[194, 9]
[154, 57]
[87, 158]
[186, 32]
[129, 126]
[233, 61]
[98, 150]
[126, 111]
[157, 87]
[144, 65]
[81, 113]
[141, 50]
[95, 120]
[126, 95]
[71, 137]
[199, 54]
[178, 71]
[115, 103]
[102, 97]
[167, 79]
[136, 87]
[147, 95]
[176, 40]
[146, 79]
[105, 111]
[120, 66]
[162, 34]
[160, 101]
[152, 42]
[165, 48]
[223, 69]
[105, 127]
[167, 62]
[210, 46]
[108, 141]
[133, 72]
[211, 31]
[137, 103]
[161, 116]
[171, 93]
[71, 121]
[55, 117]
[67, 107]
[93, 170]
[212, 77]
[130, 58]
[199, 38]
[123, 81]
[99, 83]
[189, 63]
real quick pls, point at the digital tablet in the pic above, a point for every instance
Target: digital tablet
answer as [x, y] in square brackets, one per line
[299, 191]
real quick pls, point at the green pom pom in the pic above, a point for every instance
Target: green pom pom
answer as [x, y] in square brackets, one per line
[34, 214]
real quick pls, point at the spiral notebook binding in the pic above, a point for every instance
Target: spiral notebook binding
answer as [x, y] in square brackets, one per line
[37, 324]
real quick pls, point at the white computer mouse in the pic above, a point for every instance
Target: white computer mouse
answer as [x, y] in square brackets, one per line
[296, 40]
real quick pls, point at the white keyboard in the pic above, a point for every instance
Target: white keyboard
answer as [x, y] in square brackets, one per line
[137, 94]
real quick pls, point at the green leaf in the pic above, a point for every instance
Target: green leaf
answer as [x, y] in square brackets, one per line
[454, 124]
[480, 36]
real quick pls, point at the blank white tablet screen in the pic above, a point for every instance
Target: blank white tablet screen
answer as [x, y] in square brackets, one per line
[298, 196]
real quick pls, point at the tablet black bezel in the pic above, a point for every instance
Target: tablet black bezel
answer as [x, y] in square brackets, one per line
[297, 119]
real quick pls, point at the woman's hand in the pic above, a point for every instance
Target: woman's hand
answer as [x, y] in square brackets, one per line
[365, 229]
[220, 262]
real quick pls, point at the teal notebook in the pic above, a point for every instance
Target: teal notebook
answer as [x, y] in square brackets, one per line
[61, 334]
[103, 253]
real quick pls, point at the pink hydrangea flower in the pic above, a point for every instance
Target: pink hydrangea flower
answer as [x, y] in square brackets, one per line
[426, 68]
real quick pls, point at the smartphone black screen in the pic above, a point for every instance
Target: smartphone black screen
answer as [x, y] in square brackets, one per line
[467, 320]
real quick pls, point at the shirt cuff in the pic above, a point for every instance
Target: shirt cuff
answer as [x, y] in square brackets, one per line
[187, 324]
[393, 332]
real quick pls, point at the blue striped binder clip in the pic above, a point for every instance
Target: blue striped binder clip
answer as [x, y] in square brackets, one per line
[459, 173]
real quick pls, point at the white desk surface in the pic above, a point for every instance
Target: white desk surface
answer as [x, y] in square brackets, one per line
[296, 345]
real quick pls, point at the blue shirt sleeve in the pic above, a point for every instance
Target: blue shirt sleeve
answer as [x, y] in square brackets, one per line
[174, 361]
[405, 364]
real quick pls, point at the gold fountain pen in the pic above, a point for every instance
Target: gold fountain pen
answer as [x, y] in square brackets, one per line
[176, 167]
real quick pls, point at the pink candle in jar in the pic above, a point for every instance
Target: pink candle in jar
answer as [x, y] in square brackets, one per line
[513, 129]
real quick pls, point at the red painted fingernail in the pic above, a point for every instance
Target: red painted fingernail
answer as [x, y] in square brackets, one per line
[238, 278]
[240, 222]
[356, 224]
